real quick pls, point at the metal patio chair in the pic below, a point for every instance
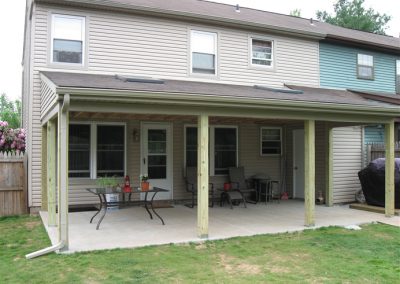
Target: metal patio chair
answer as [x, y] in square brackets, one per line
[240, 183]
[191, 186]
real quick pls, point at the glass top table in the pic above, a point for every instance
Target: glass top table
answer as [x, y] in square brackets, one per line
[104, 204]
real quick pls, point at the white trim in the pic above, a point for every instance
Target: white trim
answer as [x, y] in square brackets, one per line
[280, 140]
[216, 52]
[93, 145]
[84, 36]
[250, 53]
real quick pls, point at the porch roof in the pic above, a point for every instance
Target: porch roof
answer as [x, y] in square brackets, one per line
[75, 83]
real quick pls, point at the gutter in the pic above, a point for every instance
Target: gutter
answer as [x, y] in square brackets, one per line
[112, 95]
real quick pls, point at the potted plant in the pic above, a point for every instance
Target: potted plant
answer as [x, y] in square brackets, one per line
[144, 184]
[107, 182]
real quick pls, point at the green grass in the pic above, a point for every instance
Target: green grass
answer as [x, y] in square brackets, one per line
[328, 255]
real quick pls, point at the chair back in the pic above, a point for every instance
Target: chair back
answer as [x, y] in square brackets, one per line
[236, 177]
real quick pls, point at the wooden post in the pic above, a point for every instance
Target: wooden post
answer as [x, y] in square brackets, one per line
[309, 172]
[202, 176]
[45, 189]
[62, 172]
[329, 168]
[389, 169]
[51, 172]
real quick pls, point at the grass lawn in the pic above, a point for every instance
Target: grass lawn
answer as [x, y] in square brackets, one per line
[328, 255]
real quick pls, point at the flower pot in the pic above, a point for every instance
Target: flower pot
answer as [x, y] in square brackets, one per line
[145, 185]
[227, 186]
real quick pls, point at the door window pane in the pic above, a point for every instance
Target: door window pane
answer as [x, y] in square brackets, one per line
[79, 151]
[157, 153]
[191, 147]
[225, 150]
[110, 150]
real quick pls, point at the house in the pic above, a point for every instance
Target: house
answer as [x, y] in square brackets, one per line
[131, 87]
[373, 69]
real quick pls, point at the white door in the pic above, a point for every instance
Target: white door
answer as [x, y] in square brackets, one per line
[298, 163]
[156, 156]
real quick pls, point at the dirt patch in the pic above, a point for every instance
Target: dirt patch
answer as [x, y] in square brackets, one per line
[31, 225]
[383, 236]
[200, 246]
[228, 263]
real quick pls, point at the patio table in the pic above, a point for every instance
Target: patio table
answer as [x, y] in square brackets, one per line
[103, 192]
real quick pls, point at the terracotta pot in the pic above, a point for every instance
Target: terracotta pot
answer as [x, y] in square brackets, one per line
[145, 185]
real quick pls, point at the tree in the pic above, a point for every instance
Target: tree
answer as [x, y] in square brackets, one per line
[295, 13]
[10, 111]
[352, 14]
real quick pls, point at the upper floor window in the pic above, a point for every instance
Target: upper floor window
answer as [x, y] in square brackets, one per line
[365, 66]
[398, 76]
[67, 39]
[261, 52]
[203, 52]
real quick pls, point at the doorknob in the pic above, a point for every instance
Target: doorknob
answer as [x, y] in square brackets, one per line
[144, 161]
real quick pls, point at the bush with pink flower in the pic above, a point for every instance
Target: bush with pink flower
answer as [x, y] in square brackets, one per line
[11, 140]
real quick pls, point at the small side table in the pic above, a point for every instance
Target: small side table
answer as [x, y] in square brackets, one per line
[231, 195]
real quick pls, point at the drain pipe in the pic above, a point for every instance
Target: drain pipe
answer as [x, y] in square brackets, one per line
[44, 251]
[61, 244]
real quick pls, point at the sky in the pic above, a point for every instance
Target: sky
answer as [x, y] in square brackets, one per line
[12, 29]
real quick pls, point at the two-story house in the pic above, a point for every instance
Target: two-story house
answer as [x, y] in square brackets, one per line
[133, 87]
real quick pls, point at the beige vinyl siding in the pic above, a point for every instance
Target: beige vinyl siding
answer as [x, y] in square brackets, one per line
[347, 156]
[48, 98]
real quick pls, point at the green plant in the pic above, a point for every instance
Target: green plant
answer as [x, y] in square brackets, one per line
[107, 182]
[144, 178]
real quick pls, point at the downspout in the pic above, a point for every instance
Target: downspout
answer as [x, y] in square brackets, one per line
[61, 243]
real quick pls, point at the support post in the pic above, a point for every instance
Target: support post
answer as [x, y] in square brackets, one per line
[51, 172]
[202, 176]
[329, 168]
[62, 171]
[309, 172]
[389, 169]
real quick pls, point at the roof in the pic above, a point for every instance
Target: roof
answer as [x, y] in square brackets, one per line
[67, 82]
[247, 17]
[378, 96]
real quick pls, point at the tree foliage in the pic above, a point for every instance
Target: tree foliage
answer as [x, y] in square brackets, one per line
[295, 13]
[352, 14]
[10, 111]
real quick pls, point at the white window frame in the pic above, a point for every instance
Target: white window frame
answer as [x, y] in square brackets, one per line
[260, 38]
[83, 19]
[211, 136]
[367, 66]
[397, 79]
[93, 145]
[216, 45]
[261, 139]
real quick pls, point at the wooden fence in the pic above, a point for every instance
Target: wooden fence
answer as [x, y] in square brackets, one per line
[13, 189]
[377, 150]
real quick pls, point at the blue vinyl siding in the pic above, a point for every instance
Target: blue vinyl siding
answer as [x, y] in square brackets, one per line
[338, 69]
[374, 134]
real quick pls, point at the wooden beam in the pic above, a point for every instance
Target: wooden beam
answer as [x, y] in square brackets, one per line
[45, 189]
[202, 176]
[389, 169]
[309, 172]
[51, 171]
[62, 172]
[329, 168]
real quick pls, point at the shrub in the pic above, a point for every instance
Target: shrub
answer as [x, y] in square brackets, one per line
[11, 140]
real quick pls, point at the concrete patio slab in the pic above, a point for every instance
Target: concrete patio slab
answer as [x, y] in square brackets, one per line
[132, 227]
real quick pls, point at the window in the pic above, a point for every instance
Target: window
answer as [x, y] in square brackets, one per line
[223, 148]
[79, 150]
[110, 150]
[398, 77]
[93, 142]
[67, 39]
[261, 52]
[365, 66]
[271, 141]
[203, 52]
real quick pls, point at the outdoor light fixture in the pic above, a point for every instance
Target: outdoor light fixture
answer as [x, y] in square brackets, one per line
[135, 135]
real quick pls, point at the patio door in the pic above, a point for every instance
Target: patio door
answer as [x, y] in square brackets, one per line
[298, 163]
[156, 156]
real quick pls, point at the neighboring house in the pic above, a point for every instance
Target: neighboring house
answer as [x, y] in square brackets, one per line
[129, 85]
[371, 68]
